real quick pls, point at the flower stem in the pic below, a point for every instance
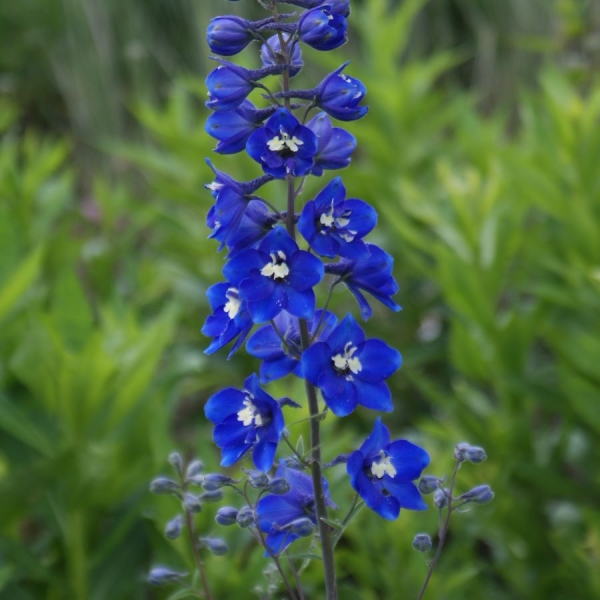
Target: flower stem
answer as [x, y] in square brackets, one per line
[445, 525]
[199, 564]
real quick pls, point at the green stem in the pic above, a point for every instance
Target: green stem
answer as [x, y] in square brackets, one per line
[443, 532]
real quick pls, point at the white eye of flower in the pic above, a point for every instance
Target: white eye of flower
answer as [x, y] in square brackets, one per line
[347, 362]
[249, 415]
[277, 268]
[232, 307]
[383, 466]
[277, 144]
[327, 218]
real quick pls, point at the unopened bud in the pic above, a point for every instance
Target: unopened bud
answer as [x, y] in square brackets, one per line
[480, 494]
[440, 497]
[422, 542]
[163, 576]
[215, 481]
[473, 454]
[226, 515]
[192, 503]
[176, 462]
[194, 468]
[164, 485]
[429, 483]
[279, 486]
[212, 496]
[258, 479]
[302, 527]
[215, 545]
[174, 527]
[245, 517]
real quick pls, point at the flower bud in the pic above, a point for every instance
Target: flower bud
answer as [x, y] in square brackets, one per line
[422, 542]
[258, 479]
[164, 485]
[194, 468]
[215, 481]
[473, 454]
[212, 496]
[245, 517]
[215, 545]
[440, 497]
[322, 29]
[279, 486]
[429, 483]
[162, 576]
[228, 35]
[302, 527]
[174, 527]
[480, 494]
[192, 503]
[226, 515]
[176, 461]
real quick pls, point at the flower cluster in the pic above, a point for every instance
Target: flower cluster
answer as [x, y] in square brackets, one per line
[276, 258]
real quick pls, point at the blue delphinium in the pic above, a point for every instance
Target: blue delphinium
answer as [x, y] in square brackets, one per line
[382, 472]
[246, 419]
[276, 513]
[350, 370]
[276, 276]
[278, 252]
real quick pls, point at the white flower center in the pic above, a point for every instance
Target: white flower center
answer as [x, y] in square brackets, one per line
[232, 307]
[249, 415]
[383, 466]
[347, 362]
[277, 144]
[277, 268]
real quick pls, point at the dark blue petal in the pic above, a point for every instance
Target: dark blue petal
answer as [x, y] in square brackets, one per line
[378, 440]
[301, 304]
[339, 394]
[406, 493]
[231, 454]
[223, 404]
[263, 455]
[375, 396]
[378, 360]
[276, 368]
[268, 308]
[347, 330]
[277, 511]
[257, 287]
[408, 460]
[314, 359]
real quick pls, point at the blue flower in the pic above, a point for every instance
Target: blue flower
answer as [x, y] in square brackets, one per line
[350, 370]
[271, 54]
[229, 84]
[230, 318]
[371, 273]
[256, 222]
[276, 276]
[339, 96]
[283, 146]
[231, 203]
[246, 419]
[228, 35]
[334, 145]
[233, 127]
[383, 473]
[279, 359]
[276, 513]
[321, 29]
[335, 226]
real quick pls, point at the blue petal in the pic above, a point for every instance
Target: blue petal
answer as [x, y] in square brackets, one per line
[375, 396]
[263, 455]
[238, 268]
[279, 541]
[342, 398]
[264, 343]
[273, 369]
[264, 310]
[276, 510]
[256, 144]
[231, 454]
[408, 460]
[406, 493]
[363, 218]
[313, 361]
[385, 506]
[301, 304]
[378, 440]
[231, 432]
[347, 330]
[355, 466]
[378, 360]
[256, 287]
[223, 404]
[279, 239]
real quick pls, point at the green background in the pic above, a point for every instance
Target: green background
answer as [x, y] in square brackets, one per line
[481, 153]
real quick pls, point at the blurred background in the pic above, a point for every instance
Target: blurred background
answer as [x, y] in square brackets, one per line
[481, 153]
